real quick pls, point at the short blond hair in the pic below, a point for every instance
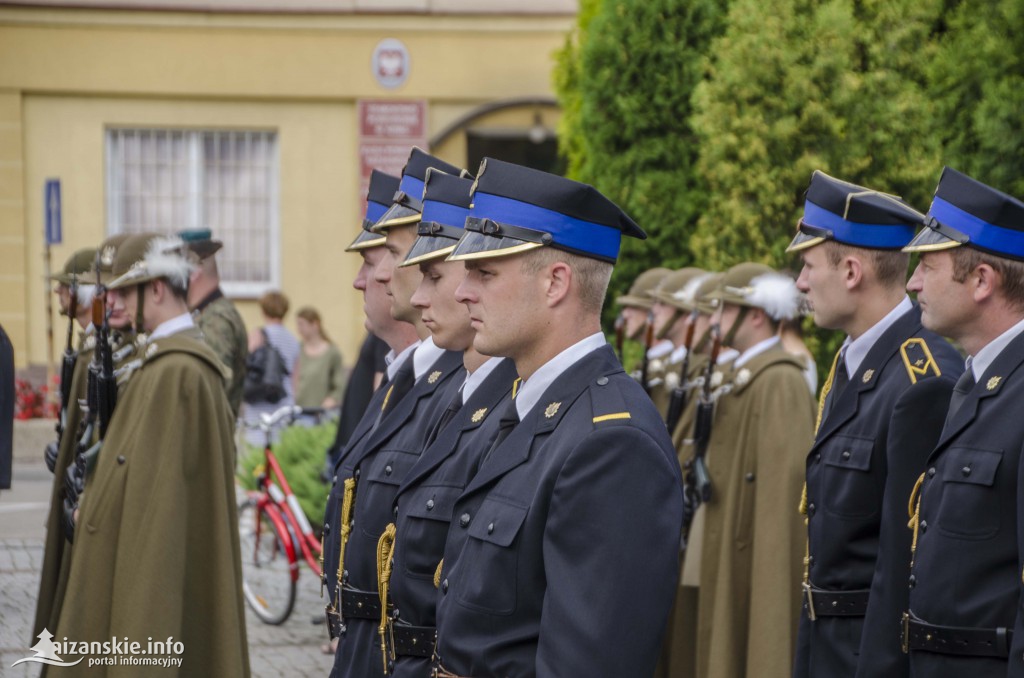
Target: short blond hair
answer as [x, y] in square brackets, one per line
[890, 266]
[592, 276]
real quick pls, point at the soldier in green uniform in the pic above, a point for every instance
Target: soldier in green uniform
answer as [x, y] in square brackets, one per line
[217, 318]
[753, 543]
[57, 555]
[156, 546]
[672, 316]
[635, 322]
[74, 279]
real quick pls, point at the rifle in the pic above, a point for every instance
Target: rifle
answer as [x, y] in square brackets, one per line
[67, 373]
[678, 402]
[648, 340]
[620, 335]
[697, 483]
[101, 398]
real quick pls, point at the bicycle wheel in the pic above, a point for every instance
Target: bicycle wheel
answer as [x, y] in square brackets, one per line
[266, 568]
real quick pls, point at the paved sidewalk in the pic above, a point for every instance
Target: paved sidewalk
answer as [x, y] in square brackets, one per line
[292, 649]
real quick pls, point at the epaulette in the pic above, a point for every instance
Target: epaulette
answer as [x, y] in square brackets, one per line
[918, 359]
[609, 405]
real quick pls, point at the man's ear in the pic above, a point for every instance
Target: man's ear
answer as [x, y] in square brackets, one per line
[853, 271]
[985, 280]
[559, 282]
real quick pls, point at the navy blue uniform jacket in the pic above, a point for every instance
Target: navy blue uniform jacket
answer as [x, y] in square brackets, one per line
[850, 468]
[967, 569]
[562, 558]
[379, 467]
[426, 498]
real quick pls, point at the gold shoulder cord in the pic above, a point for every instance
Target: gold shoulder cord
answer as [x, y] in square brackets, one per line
[915, 369]
[348, 499]
[825, 390]
[385, 553]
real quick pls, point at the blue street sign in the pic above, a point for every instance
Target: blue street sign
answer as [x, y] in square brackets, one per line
[52, 207]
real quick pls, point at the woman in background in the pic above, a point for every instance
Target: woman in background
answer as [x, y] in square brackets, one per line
[320, 377]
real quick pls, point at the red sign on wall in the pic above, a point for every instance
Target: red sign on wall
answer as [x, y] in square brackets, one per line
[388, 129]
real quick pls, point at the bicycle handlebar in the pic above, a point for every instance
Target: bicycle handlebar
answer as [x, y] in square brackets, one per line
[268, 421]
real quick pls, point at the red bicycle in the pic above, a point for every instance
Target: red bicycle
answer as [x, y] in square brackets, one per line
[274, 531]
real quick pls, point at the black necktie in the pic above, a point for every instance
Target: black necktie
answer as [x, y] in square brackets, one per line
[508, 421]
[963, 386]
[453, 408]
[402, 383]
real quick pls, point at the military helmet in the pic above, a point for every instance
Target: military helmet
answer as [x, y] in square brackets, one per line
[677, 289]
[759, 286]
[105, 255]
[78, 268]
[704, 300]
[148, 256]
[639, 292]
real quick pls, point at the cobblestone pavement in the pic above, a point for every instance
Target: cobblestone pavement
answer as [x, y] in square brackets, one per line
[292, 649]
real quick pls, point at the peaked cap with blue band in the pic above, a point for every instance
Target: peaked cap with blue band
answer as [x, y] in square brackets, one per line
[378, 199]
[853, 215]
[407, 202]
[966, 212]
[445, 208]
[517, 209]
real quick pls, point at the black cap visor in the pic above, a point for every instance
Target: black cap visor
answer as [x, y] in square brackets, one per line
[936, 236]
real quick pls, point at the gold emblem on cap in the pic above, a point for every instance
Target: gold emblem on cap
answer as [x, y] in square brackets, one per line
[107, 256]
[552, 409]
[434, 376]
[993, 382]
[867, 376]
[478, 415]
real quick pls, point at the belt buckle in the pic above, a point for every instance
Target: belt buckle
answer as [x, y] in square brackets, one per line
[809, 595]
[905, 640]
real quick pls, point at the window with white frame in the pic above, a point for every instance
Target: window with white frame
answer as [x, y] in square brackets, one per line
[168, 180]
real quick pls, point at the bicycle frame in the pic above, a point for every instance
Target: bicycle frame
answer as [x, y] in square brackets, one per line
[283, 508]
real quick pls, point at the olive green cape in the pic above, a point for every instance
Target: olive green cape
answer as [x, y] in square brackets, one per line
[156, 548]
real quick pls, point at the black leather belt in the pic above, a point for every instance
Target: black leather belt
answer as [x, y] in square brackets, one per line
[972, 642]
[824, 603]
[413, 641]
[356, 604]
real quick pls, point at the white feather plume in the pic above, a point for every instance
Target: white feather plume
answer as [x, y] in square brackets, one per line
[777, 294]
[167, 257]
[85, 294]
[688, 294]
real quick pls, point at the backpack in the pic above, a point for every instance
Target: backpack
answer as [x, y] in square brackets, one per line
[265, 373]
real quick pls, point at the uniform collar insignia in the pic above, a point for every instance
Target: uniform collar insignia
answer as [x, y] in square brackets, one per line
[151, 350]
[742, 377]
[479, 414]
[552, 409]
[868, 374]
[716, 379]
[434, 376]
[992, 383]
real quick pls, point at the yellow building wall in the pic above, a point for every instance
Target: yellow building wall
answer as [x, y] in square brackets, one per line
[67, 75]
